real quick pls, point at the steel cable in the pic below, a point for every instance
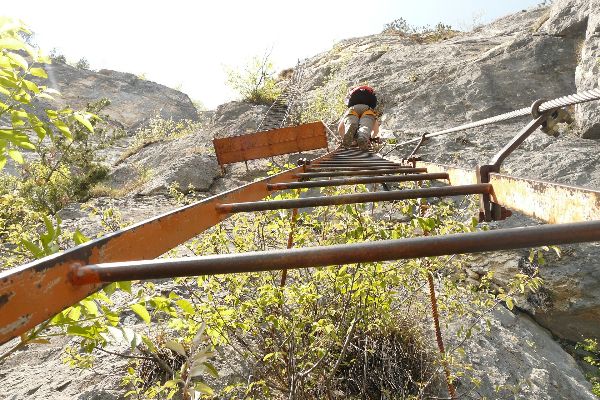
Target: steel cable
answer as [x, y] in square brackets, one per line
[559, 102]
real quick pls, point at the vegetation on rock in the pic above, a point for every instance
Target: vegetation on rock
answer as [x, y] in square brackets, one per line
[257, 83]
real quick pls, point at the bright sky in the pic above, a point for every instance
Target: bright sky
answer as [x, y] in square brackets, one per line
[187, 44]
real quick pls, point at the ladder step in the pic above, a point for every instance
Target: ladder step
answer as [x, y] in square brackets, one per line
[479, 188]
[356, 181]
[360, 172]
[354, 164]
[322, 169]
[383, 250]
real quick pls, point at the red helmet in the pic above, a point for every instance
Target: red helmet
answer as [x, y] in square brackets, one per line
[364, 87]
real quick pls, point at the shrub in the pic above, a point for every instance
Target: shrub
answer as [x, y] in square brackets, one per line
[420, 34]
[83, 63]
[256, 84]
[160, 129]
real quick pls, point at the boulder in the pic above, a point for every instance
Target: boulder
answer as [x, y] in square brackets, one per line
[580, 19]
[518, 359]
[236, 118]
[133, 100]
[189, 161]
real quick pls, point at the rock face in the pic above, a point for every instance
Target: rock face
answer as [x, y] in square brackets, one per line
[133, 101]
[518, 358]
[189, 161]
[580, 19]
[236, 118]
[494, 69]
[40, 373]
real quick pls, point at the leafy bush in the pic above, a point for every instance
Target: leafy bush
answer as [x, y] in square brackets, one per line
[256, 84]
[160, 129]
[83, 63]
[592, 348]
[17, 95]
[420, 34]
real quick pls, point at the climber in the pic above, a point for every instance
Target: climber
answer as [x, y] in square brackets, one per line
[359, 124]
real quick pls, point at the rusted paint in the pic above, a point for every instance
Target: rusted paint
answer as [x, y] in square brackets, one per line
[356, 181]
[43, 288]
[4, 299]
[550, 202]
[368, 197]
[381, 250]
[270, 143]
[360, 172]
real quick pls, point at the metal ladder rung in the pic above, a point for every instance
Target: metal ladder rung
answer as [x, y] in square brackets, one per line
[357, 181]
[307, 257]
[359, 172]
[228, 208]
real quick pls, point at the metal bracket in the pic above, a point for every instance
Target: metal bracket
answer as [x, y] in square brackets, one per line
[491, 211]
[418, 146]
[412, 158]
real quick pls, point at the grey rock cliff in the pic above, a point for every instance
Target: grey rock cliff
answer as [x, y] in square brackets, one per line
[580, 19]
[518, 359]
[133, 101]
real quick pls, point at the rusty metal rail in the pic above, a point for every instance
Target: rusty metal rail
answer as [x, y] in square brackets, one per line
[359, 172]
[354, 198]
[357, 181]
[384, 250]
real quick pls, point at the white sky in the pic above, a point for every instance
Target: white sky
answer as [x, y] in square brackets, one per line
[186, 44]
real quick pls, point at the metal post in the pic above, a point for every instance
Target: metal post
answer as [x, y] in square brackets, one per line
[290, 242]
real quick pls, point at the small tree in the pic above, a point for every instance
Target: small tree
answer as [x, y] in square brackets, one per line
[256, 84]
[57, 56]
[83, 63]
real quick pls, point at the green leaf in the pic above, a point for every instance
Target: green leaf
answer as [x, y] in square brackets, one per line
[140, 310]
[16, 155]
[80, 331]
[509, 303]
[109, 289]
[176, 347]
[73, 313]
[149, 344]
[211, 370]
[79, 237]
[61, 126]
[11, 44]
[185, 306]
[90, 306]
[18, 59]
[204, 388]
[39, 72]
[3, 160]
[26, 146]
[124, 286]
[84, 121]
[31, 86]
[33, 248]
[44, 96]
